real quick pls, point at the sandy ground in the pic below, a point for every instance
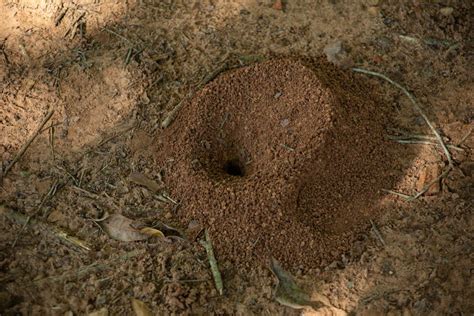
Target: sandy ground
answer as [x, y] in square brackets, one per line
[112, 72]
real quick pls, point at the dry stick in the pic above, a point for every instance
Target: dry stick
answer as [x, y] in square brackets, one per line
[377, 233]
[428, 122]
[28, 143]
[213, 263]
[52, 191]
[211, 76]
[42, 226]
[424, 142]
[463, 139]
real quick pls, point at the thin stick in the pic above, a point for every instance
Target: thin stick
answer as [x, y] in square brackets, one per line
[172, 114]
[463, 139]
[405, 196]
[377, 233]
[424, 142]
[118, 35]
[417, 107]
[28, 143]
[427, 187]
[213, 263]
[52, 191]
[428, 122]
[44, 227]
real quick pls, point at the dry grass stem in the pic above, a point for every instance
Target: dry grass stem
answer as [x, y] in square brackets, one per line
[428, 122]
[28, 143]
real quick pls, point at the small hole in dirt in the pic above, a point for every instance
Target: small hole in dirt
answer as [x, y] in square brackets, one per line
[234, 168]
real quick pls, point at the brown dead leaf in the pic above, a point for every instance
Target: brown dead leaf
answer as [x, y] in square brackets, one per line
[141, 179]
[140, 308]
[121, 228]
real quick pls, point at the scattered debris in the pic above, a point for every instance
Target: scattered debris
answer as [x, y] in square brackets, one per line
[287, 291]
[207, 244]
[140, 308]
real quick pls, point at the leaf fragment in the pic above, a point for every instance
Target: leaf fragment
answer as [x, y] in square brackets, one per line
[140, 308]
[101, 312]
[287, 291]
[141, 179]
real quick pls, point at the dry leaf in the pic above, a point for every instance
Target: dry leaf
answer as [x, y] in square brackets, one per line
[101, 312]
[140, 308]
[141, 179]
[152, 232]
[120, 228]
[288, 293]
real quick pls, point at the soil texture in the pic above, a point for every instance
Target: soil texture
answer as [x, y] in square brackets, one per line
[283, 158]
[275, 156]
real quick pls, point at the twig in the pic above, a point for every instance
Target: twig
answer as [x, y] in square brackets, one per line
[44, 227]
[405, 196]
[377, 233]
[463, 139]
[92, 268]
[428, 122]
[424, 142]
[172, 114]
[28, 143]
[118, 35]
[213, 263]
[208, 78]
[52, 191]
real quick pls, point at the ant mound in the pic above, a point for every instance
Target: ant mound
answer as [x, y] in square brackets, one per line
[284, 159]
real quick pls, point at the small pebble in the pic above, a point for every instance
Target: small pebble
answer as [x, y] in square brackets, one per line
[285, 122]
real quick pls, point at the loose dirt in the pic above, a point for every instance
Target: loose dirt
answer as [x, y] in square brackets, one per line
[284, 158]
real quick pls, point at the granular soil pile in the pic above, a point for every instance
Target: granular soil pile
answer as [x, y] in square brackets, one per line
[284, 158]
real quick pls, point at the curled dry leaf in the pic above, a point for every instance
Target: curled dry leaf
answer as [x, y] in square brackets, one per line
[140, 308]
[152, 232]
[121, 228]
[287, 291]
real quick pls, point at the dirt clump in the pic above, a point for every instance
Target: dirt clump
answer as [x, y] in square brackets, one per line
[284, 158]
